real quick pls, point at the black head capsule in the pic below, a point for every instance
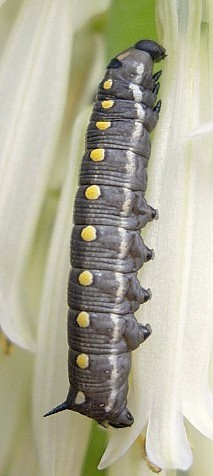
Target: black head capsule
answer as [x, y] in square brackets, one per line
[156, 51]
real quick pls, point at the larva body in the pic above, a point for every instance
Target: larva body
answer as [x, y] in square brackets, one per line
[106, 247]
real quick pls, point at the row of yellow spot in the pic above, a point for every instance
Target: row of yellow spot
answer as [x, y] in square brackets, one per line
[98, 154]
[93, 192]
[83, 321]
[89, 232]
[107, 104]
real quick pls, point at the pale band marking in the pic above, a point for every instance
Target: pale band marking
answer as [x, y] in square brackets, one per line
[137, 93]
[140, 111]
[80, 398]
[120, 281]
[140, 70]
[113, 381]
[138, 129]
[125, 54]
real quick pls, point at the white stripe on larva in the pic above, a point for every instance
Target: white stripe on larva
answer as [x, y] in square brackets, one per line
[113, 362]
[126, 205]
[123, 245]
[113, 379]
[140, 111]
[130, 162]
[140, 70]
[115, 320]
[130, 155]
[137, 93]
[137, 130]
[120, 281]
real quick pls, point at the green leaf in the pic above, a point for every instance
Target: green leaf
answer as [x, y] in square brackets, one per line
[96, 447]
[129, 22]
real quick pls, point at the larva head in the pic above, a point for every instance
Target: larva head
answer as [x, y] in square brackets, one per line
[136, 63]
[156, 51]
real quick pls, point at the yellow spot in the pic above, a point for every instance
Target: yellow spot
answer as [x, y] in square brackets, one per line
[102, 126]
[92, 192]
[82, 361]
[107, 104]
[97, 155]
[80, 398]
[107, 84]
[88, 233]
[85, 278]
[83, 319]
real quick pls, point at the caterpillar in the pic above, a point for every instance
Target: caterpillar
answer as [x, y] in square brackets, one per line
[106, 247]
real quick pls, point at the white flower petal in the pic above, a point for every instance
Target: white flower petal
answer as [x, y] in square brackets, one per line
[202, 453]
[24, 461]
[171, 449]
[196, 395]
[133, 464]
[84, 11]
[33, 92]
[201, 130]
[2, 2]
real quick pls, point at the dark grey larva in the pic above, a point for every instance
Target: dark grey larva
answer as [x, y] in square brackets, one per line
[106, 247]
